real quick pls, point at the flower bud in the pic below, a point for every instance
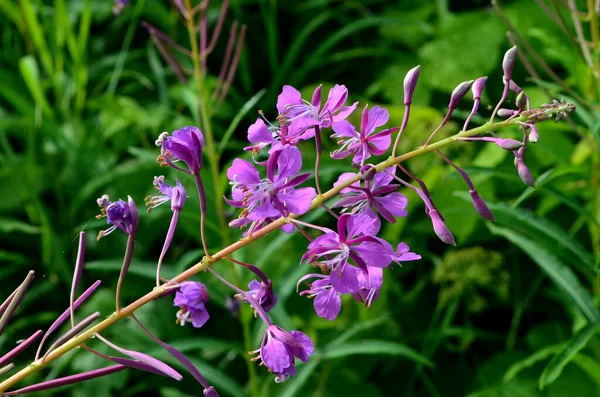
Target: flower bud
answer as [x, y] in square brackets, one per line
[210, 392]
[524, 172]
[534, 137]
[459, 92]
[521, 100]
[508, 63]
[508, 144]
[478, 86]
[368, 172]
[410, 82]
[440, 228]
[480, 206]
[505, 113]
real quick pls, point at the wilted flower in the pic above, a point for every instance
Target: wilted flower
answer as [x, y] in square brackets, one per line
[184, 144]
[175, 194]
[263, 293]
[279, 349]
[120, 214]
[191, 298]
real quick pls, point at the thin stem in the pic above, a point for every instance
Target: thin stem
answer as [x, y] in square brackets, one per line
[126, 262]
[206, 261]
[202, 196]
[593, 23]
[501, 101]
[167, 243]
[319, 150]
[443, 123]
[404, 124]
[457, 168]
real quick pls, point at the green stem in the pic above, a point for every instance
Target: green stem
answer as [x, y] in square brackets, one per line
[206, 261]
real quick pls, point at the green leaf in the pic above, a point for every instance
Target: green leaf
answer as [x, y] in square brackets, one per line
[29, 70]
[378, 347]
[358, 328]
[530, 361]
[238, 117]
[589, 365]
[578, 342]
[559, 273]
[8, 225]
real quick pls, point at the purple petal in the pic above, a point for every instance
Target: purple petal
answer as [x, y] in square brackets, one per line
[343, 178]
[275, 355]
[345, 281]
[298, 201]
[375, 254]
[289, 163]
[345, 112]
[289, 96]
[243, 172]
[345, 129]
[362, 224]
[395, 203]
[336, 98]
[260, 133]
[383, 178]
[316, 97]
[378, 116]
[328, 304]
[307, 345]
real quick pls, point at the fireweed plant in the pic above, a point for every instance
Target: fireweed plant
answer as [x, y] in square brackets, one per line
[271, 194]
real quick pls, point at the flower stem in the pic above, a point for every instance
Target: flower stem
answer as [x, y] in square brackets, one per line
[208, 261]
[202, 196]
[319, 149]
[126, 262]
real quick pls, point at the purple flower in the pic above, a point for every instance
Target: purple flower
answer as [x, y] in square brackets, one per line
[327, 300]
[120, 214]
[364, 144]
[273, 196]
[294, 110]
[354, 241]
[261, 136]
[403, 254]
[378, 194]
[175, 194]
[184, 144]
[191, 298]
[119, 6]
[279, 349]
[263, 293]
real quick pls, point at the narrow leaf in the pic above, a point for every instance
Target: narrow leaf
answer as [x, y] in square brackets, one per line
[578, 342]
[374, 347]
[238, 118]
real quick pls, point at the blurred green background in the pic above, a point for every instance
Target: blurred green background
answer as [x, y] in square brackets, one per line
[84, 94]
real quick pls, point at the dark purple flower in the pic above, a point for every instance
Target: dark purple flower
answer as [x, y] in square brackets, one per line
[273, 196]
[175, 194]
[366, 143]
[263, 294]
[379, 194]
[191, 298]
[184, 144]
[279, 349]
[356, 241]
[327, 300]
[294, 110]
[403, 254]
[120, 214]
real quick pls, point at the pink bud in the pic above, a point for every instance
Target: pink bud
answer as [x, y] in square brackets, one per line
[440, 228]
[504, 113]
[524, 172]
[478, 86]
[459, 92]
[480, 206]
[534, 137]
[508, 144]
[508, 63]
[410, 82]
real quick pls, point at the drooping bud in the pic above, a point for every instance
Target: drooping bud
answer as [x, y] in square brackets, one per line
[440, 228]
[480, 206]
[508, 63]
[534, 137]
[478, 86]
[504, 143]
[459, 92]
[184, 144]
[521, 100]
[410, 82]
[524, 172]
[210, 392]
[368, 172]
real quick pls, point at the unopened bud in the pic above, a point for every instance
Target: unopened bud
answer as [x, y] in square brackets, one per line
[504, 113]
[534, 137]
[440, 228]
[524, 172]
[410, 82]
[508, 63]
[508, 144]
[514, 87]
[480, 206]
[368, 172]
[210, 392]
[478, 86]
[459, 92]
[521, 100]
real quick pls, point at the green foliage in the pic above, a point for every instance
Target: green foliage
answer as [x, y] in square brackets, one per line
[84, 94]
